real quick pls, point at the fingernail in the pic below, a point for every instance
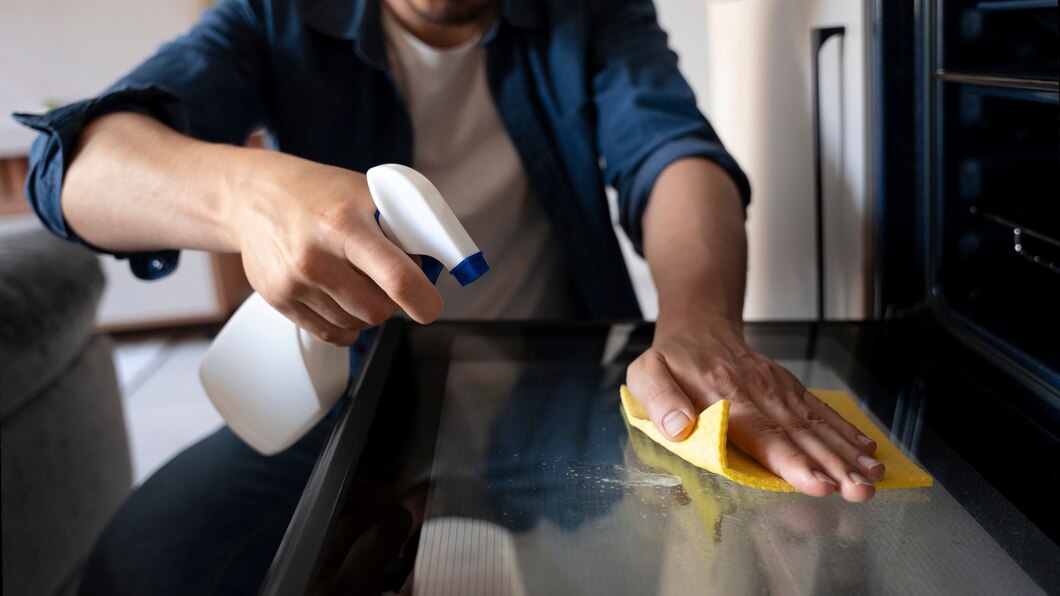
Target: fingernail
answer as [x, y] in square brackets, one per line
[865, 440]
[868, 462]
[820, 476]
[859, 479]
[675, 422]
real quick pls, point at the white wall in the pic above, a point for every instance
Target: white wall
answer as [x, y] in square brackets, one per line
[685, 21]
[756, 89]
[57, 51]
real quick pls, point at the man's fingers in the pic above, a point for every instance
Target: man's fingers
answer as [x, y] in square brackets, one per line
[810, 407]
[654, 387]
[859, 461]
[763, 439]
[836, 458]
[817, 431]
[868, 467]
[396, 274]
[786, 410]
[845, 429]
[357, 295]
[318, 326]
[329, 310]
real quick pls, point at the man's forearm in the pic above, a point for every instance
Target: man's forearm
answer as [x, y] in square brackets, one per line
[695, 244]
[307, 234]
[136, 185]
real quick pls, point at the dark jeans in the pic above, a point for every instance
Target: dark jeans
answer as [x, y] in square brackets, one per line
[208, 522]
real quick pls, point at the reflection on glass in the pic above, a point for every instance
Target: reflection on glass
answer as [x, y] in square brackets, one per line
[538, 486]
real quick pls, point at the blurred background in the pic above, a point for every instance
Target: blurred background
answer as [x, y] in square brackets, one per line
[53, 52]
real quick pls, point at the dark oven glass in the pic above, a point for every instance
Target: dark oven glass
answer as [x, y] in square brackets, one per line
[996, 179]
[1001, 37]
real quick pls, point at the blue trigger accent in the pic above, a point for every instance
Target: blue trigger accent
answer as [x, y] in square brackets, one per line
[470, 269]
[432, 267]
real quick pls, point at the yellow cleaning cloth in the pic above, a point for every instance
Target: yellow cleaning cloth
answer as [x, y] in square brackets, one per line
[708, 446]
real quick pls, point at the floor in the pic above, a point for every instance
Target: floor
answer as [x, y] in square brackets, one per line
[166, 409]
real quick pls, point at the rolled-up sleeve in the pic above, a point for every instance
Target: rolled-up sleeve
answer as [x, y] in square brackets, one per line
[646, 113]
[208, 84]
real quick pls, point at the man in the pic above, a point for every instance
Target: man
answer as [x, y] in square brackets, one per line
[519, 112]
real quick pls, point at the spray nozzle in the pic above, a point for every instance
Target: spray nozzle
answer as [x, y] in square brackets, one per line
[413, 215]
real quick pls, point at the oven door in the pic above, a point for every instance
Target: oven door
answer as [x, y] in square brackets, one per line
[492, 458]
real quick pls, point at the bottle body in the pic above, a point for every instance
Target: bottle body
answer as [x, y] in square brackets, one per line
[270, 380]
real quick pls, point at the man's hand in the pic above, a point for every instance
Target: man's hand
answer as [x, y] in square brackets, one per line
[307, 232]
[313, 249]
[773, 417]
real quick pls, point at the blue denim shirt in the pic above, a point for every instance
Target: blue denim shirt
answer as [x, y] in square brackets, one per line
[588, 91]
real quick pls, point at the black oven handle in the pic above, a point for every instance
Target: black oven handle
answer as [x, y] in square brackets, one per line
[818, 37]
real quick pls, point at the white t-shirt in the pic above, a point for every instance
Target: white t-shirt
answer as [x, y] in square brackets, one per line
[461, 145]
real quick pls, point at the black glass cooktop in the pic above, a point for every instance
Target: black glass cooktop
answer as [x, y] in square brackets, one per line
[492, 458]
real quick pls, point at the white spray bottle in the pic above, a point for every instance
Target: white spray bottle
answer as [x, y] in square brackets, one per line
[272, 381]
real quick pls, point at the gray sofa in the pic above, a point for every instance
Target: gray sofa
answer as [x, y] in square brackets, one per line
[63, 448]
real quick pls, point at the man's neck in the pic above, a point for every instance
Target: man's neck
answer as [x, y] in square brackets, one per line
[432, 34]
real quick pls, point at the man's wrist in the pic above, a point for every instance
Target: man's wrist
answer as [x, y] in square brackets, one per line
[696, 320]
[696, 304]
[247, 173]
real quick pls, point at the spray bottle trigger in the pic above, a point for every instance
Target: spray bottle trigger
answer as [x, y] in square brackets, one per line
[430, 266]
